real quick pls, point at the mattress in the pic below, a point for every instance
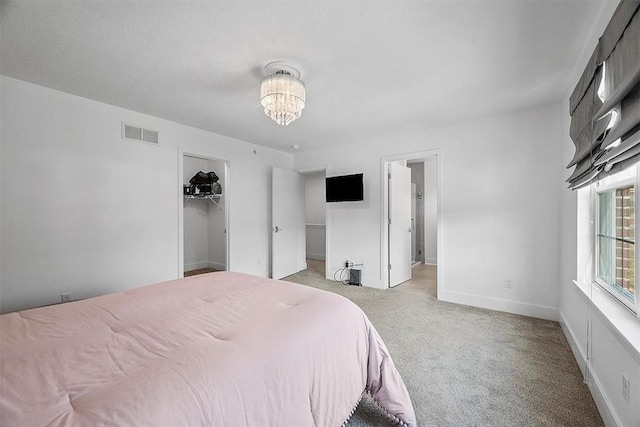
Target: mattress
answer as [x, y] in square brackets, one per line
[220, 349]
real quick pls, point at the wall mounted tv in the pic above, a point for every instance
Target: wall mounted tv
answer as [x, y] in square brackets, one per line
[345, 188]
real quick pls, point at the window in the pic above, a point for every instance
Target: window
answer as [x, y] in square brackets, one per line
[615, 240]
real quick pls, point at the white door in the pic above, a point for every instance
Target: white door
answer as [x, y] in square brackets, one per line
[285, 196]
[399, 224]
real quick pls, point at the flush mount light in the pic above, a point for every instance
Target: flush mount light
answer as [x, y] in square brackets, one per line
[282, 93]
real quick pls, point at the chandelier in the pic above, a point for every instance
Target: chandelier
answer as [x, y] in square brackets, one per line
[282, 93]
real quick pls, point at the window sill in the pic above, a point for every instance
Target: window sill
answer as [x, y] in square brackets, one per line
[620, 321]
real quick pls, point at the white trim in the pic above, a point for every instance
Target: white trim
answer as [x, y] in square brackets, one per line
[615, 294]
[431, 261]
[203, 264]
[617, 319]
[227, 166]
[317, 257]
[314, 169]
[196, 265]
[609, 183]
[383, 281]
[579, 354]
[327, 235]
[315, 225]
[627, 178]
[602, 401]
[180, 179]
[499, 304]
[372, 282]
[620, 179]
[217, 265]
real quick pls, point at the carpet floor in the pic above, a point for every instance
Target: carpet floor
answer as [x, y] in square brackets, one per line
[466, 366]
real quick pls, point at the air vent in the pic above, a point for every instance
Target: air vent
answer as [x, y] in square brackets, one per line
[150, 136]
[136, 133]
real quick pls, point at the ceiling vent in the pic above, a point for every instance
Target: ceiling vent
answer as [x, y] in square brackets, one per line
[136, 133]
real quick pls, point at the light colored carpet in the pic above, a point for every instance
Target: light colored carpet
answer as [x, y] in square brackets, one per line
[465, 366]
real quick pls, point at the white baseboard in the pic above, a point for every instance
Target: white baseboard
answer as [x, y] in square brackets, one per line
[578, 352]
[318, 257]
[196, 265]
[217, 265]
[514, 307]
[431, 261]
[372, 282]
[602, 401]
[204, 264]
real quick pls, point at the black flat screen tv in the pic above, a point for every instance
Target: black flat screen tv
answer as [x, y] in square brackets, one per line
[345, 188]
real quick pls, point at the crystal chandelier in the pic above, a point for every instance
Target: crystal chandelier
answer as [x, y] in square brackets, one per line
[282, 93]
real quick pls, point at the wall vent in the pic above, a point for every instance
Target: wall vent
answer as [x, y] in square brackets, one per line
[137, 133]
[150, 136]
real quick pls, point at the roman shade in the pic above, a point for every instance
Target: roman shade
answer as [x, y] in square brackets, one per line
[605, 104]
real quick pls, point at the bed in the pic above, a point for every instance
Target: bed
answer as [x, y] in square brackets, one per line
[220, 349]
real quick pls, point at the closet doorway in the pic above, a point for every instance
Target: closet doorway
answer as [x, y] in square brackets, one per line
[315, 224]
[204, 201]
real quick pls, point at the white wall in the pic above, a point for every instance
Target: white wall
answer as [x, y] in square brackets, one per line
[500, 208]
[87, 212]
[314, 198]
[314, 203]
[430, 199]
[612, 353]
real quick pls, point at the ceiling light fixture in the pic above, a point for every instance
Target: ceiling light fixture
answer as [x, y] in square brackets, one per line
[282, 93]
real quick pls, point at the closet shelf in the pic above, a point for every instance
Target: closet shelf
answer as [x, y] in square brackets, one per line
[215, 198]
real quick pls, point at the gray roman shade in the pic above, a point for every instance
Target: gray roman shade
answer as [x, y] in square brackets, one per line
[605, 104]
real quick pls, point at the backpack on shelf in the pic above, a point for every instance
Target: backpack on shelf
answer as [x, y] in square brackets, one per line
[203, 184]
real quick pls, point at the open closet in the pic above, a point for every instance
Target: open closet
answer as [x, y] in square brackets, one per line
[204, 219]
[315, 223]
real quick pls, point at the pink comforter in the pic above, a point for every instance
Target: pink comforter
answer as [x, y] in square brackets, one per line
[221, 349]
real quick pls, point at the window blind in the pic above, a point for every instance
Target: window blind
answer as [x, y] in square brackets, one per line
[605, 104]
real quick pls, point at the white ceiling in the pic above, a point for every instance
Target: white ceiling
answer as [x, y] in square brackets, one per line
[371, 68]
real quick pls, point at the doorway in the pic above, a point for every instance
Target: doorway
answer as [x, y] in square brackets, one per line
[299, 230]
[410, 250]
[203, 215]
[315, 221]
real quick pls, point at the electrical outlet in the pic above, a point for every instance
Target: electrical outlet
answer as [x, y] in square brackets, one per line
[66, 297]
[625, 388]
[508, 283]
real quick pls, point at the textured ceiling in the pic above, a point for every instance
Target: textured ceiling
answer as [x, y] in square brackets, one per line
[371, 68]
